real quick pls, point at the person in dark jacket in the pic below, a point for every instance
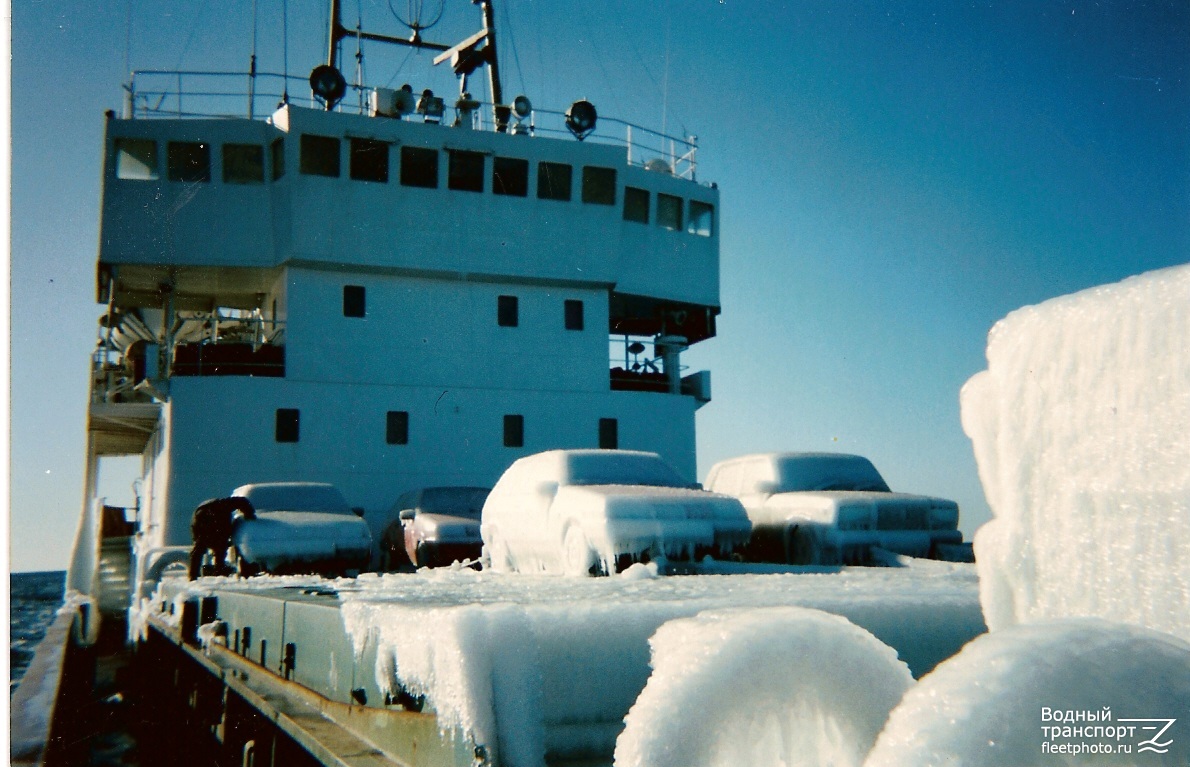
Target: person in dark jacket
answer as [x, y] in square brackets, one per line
[211, 528]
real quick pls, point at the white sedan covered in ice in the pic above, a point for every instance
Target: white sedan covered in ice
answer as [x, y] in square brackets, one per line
[586, 512]
[832, 508]
[299, 527]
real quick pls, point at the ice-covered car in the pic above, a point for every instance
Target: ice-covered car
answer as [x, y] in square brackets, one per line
[435, 526]
[299, 527]
[831, 508]
[586, 512]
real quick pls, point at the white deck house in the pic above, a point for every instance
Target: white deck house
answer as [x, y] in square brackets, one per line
[386, 304]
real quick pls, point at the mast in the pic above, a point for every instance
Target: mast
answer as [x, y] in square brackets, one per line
[337, 32]
[500, 112]
[465, 57]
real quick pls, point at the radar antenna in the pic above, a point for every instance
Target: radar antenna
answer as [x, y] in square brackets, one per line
[414, 12]
[477, 50]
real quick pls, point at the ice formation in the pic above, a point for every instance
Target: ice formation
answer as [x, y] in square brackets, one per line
[550, 666]
[1081, 429]
[776, 686]
[1036, 694]
[564, 511]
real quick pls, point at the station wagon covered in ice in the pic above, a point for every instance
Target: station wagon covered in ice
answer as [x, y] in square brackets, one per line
[583, 512]
[831, 508]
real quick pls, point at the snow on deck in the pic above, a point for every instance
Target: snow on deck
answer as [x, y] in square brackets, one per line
[533, 664]
[552, 665]
[776, 686]
[988, 705]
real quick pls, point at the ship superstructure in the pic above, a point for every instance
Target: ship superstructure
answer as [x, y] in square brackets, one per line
[408, 296]
[404, 292]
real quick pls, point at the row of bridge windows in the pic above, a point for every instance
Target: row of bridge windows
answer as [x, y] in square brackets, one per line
[396, 428]
[369, 160]
[355, 304]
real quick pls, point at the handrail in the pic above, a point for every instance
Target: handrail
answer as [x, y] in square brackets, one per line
[163, 93]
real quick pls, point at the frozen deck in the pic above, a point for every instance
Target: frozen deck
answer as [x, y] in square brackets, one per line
[513, 669]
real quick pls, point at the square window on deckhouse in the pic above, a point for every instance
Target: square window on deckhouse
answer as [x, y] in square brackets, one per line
[599, 185]
[278, 151]
[553, 181]
[510, 176]
[573, 314]
[514, 431]
[188, 161]
[286, 429]
[419, 167]
[396, 427]
[369, 160]
[354, 301]
[507, 311]
[609, 434]
[243, 164]
[465, 172]
[636, 205]
[136, 159]
[319, 156]
[702, 219]
[669, 212]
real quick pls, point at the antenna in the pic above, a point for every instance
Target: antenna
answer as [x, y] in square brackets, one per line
[665, 80]
[465, 57]
[252, 68]
[415, 15]
[285, 51]
[128, 40]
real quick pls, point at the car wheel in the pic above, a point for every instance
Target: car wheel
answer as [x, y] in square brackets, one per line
[578, 558]
[498, 556]
[801, 546]
[425, 557]
[244, 568]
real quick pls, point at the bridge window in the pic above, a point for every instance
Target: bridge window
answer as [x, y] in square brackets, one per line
[573, 311]
[507, 312]
[278, 152]
[319, 156]
[369, 160]
[702, 219]
[243, 164]
[465, 171]
[354, 303]
[287, 424]
[396, 427]
[188, 161]
[419, 167]
[669, 212]
[510, 176]
[599, 185]
[136, 159]
[609, 434]
[514, 431]
[636, 205]
[553, 181]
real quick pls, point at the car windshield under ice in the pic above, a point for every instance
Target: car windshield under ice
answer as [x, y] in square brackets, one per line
[617, 469]
[802, 473]
[297, 497]
[460, 501]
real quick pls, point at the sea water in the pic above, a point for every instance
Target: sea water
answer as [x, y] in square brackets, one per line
[35, 597]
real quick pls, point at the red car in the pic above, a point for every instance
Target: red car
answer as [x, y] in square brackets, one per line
[435, 526]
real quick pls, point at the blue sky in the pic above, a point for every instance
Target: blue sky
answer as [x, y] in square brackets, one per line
[895, 177]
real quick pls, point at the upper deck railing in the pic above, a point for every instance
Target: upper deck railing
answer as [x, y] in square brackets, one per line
[156, 93]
